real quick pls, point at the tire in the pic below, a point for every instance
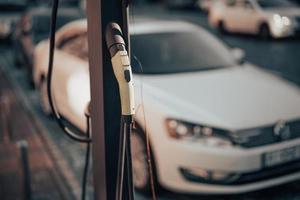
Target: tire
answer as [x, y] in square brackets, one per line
[264, 31]
[141, 174]
[222, 27]
[43, 96]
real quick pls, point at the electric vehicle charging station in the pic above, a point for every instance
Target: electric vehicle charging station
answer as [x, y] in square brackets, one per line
[66, 175]
[106, 100]
[105, 97]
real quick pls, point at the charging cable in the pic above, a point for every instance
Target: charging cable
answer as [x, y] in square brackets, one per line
[122, 70]
[79, 138]
[57, 116]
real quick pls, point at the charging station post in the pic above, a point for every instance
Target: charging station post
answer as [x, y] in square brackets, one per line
[105, 99]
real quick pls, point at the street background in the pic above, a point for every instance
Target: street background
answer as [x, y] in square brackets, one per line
[279, 56]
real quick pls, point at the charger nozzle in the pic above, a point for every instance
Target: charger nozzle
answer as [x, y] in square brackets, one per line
[114, 39]
[121, 67]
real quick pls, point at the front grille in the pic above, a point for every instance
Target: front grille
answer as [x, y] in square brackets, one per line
[265, 135]
[252, 177]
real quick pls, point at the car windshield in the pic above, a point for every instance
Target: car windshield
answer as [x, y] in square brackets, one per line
[41, 28]
[175, 52]
[41, 22]
[276, 4]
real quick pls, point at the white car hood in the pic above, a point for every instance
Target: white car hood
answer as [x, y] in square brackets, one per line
[231, 98]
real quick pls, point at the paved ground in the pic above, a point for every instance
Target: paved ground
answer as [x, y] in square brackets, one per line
[18, 125]
[280, 56]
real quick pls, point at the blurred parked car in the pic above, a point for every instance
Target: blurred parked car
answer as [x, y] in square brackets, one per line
[62, 3]
[206, 5]
[33, 27]
[9, 13]
[180, 3]
[216, 124]
[276, 18]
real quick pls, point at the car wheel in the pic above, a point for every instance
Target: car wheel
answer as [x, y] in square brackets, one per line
[222, 27]
[141, 174]
[43, 95]
[264, 31]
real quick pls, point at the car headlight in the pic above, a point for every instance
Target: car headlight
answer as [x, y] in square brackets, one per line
[286, 21]
[204, 134]
[281, 21]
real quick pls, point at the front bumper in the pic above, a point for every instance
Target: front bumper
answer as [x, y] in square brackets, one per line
[248, 163]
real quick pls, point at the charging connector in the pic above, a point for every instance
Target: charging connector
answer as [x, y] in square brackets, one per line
[121, 66]
[122, 70]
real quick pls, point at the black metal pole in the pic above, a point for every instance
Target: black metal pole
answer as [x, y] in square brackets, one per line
[105, 100]
[23, 148]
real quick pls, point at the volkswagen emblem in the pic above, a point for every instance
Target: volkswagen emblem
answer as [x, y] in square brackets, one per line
[282, 130]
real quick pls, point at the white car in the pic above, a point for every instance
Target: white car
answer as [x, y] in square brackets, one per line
[275, 18]
[216, 124]
[9, 15]
[206, 5]
[180, 3]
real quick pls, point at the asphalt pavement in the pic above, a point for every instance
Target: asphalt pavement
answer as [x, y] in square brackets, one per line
[278, 56]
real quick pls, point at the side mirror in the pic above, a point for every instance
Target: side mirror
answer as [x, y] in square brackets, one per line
[238, 55]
